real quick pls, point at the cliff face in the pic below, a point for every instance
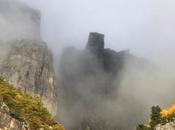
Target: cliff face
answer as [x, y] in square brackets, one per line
[28, 65]
[25, 61]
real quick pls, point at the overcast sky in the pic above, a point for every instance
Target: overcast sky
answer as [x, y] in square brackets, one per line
[143, 26]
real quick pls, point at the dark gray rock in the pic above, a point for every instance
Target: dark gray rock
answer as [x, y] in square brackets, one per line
[95, 43]
[95, 46]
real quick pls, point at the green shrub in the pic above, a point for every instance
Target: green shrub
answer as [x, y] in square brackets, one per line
[142, 127]
[156, 119]
[155, 116]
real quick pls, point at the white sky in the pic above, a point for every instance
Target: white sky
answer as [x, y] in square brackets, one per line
[143, 26]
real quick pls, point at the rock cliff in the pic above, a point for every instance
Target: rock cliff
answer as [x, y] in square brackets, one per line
[28, 65]
[26, 61]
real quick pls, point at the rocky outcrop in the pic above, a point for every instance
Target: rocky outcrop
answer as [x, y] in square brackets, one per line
[168, 126]
[96, 45]
[95, 42]
[28, 65]
[110, 60]
[92, 68]
[7, 122]
[88, 78]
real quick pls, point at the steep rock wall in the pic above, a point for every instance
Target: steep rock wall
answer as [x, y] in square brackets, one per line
[28, 65]
[25, 61]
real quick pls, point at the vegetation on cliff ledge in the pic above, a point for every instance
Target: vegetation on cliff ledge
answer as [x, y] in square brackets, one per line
[25, 107]
[158, 117]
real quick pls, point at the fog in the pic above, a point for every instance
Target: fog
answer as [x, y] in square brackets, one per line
[144, 27]
[17, 21]
[129, 99]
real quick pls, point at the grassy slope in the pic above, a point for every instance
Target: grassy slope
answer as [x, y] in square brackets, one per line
[28, 108]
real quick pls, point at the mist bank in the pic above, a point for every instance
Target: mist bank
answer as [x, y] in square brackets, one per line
[100, 88]
[94, 97]
[18, 21]
[145, 27]
[90, 81]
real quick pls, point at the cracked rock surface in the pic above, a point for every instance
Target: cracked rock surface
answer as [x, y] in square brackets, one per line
[28, 65]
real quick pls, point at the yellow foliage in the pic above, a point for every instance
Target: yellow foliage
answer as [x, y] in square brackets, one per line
[168, 111]
[18, 96]
[28, 108]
